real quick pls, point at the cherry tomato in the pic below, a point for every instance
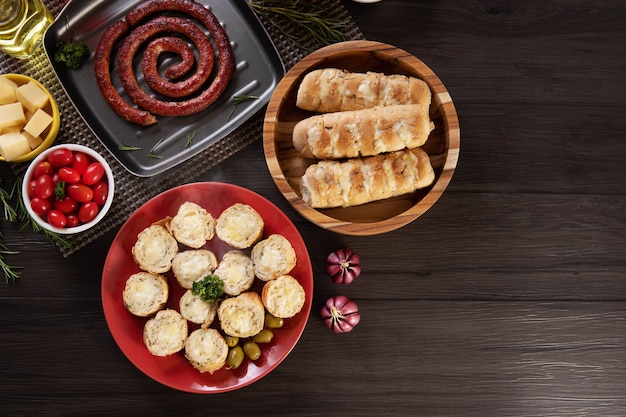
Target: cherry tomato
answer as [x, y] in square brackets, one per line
[100, 193]
[42, 168]
[60, 157]
[56, 218]
[31, 189]
[66, 205]
[44, 187]
[69, 175]
[40, 205]
[72, 220]
[81, 162]
[80, 192]
[93, 173]
[87, 212]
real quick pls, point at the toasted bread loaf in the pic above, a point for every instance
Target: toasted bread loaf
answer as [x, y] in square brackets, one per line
[237, 272]
[197, 311]
[192, 225]
[165, 333]
[240, 226]
[283, 297]
[193, 264]
[206, 350]
[365, 132]
[330, 90]
[154, 250]
[243, 315]
[145, 293]
[273, 257]
[357, 181]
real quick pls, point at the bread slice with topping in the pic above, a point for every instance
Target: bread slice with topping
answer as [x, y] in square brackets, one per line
[273, 257]
[196, 310]
[283, 297]
[165, 333]
[237, 272]
[193, 264]
[206, 350]
[145, 293]
[240, 226]
[154, 249]
[242, 316]
[192, 225]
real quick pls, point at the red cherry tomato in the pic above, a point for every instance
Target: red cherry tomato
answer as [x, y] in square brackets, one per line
[66, 205]
[80, 192]
[60, 157]
[40, 205]
[44, 187]
[42, 168]
[69, 175]
[72, 220]
[56, 218]
[100, 193]
[81, 162]
[31, 189]
[87, 212]
[93, 173]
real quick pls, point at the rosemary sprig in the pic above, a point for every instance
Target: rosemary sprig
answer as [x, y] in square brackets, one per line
[125, 147]
[190, 139]
[237, 100]
[320, 23]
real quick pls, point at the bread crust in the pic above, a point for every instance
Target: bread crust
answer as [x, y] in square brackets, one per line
[357, 181]
[331, 90]
[283, 297]
[206, 350]
[154, 249]
[350, 134]
[243, 315]
[237, 272]
[273, 257]
[192, 225]
[165, 333]
[145, 293]
[240, 226]
[192, 265]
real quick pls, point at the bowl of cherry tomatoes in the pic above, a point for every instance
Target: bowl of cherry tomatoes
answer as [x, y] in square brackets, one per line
[68, 188]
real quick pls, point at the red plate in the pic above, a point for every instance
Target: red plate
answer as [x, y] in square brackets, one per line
[174, 371]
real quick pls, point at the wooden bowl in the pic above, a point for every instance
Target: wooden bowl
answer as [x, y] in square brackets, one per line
[287, 167]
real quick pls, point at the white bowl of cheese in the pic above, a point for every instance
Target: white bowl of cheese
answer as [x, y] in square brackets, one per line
[29, 118]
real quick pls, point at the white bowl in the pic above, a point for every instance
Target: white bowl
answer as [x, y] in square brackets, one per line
[103, 209]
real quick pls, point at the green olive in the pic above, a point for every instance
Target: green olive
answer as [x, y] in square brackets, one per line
[264, 336]
[273, 322]
[235, 357]
[252, 350]
[231, 341]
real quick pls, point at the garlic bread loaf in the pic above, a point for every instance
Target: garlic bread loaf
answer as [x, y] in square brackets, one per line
[145, 293]
[283, 297]
[154, 249]
[206, 350]
[243, 315]
[331, 90]
[165, 333]
[192, 225]
[273, 257]
[196, 310]
[193, 264]
[357, 181]
[240, 226]
[350, 134]
[237, 272]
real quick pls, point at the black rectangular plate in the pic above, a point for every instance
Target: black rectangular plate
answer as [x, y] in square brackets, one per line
[258, 71]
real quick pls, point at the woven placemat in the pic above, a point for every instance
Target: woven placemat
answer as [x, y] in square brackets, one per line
[137, 190]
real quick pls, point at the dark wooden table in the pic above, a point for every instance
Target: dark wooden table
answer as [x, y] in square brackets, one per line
[507, 298]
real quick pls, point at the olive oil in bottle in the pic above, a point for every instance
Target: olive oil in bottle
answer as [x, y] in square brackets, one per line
[22, 26]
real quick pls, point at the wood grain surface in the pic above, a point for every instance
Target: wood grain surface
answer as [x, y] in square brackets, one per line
[506, 298]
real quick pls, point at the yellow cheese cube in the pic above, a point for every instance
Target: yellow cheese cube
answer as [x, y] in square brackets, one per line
[11, 115]
[38, 123]
[7, 93]
[33, 142]
[31, 96]
[6, 81]
[13, 145]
